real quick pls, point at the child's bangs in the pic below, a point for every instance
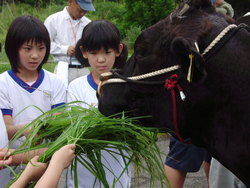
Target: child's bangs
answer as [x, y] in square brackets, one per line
[37, 35]
[100, 34]
[97, 40]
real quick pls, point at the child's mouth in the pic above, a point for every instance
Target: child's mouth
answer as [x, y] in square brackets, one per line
[33, 63]
[101, 67]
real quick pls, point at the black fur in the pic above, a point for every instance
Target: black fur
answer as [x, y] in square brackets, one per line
[216, 111]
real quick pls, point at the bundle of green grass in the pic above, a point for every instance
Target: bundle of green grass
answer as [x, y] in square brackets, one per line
[92, 132]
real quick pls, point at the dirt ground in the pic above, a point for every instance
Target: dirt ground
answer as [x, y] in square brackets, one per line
[193, 180]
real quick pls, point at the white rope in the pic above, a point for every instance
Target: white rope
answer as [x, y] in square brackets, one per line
[148, 75]
[175, 67]
[211, 45]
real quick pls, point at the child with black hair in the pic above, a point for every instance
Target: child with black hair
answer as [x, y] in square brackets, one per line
[26, 89]
[102, 49]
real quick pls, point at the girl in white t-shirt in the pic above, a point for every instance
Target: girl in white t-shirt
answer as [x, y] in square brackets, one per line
[27, 90]
[100, 45]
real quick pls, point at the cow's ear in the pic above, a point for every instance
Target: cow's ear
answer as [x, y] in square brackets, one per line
[184, 53]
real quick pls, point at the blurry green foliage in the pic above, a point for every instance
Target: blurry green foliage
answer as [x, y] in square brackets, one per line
[144, 13]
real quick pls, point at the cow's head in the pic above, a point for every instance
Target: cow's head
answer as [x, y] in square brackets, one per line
[168, 43]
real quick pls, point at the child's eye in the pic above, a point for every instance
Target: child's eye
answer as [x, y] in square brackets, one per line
[92, 52]
[109, 51]
[26, 48]
[41, 48]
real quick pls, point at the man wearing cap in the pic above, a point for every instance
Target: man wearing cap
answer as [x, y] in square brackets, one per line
[65, 29]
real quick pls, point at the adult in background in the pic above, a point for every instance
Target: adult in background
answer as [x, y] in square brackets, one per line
[65, 29]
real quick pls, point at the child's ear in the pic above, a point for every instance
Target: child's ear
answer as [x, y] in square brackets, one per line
[120, 50]
[83, 53]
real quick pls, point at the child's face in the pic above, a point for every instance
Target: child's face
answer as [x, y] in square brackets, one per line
[31, 55]
[101, 60]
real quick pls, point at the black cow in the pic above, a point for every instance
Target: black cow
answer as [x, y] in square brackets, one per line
[216, 111]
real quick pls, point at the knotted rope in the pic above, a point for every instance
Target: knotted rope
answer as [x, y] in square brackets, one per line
[170, 85]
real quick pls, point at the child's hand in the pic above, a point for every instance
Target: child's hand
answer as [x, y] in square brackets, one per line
[64, 156]
[5, 160]
[31, 173]
[34, 170]
[27, 132]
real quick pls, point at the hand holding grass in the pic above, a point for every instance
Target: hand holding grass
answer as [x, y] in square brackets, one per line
[59, 161]
[32, 172]
[49, 178]
[5, 159]
[64, 156]
[26, 132]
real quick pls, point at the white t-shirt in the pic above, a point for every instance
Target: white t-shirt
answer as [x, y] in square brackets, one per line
[84, 89]
[24, 102]
[5, 173]
[15, 95]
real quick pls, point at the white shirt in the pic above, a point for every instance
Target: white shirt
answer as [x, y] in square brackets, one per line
[84, 89]
[5, 173]
[61, 33]
[46, 93]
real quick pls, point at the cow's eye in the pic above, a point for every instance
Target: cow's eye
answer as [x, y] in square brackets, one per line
[140, 53]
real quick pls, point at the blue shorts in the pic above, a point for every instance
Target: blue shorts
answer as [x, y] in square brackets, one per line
[185, 157]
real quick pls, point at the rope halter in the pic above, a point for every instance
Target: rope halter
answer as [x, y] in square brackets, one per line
[135, 79]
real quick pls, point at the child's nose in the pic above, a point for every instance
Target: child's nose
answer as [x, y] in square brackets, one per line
[34, 55]
[101, 59]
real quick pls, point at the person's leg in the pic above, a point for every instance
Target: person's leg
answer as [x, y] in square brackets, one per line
[72, 74]
[83, 71]
[175, 177]
[77, 72]
[206, 165]
[182, 158]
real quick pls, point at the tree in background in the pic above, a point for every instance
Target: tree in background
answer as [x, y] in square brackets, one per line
[144, 13]
[36, 3]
